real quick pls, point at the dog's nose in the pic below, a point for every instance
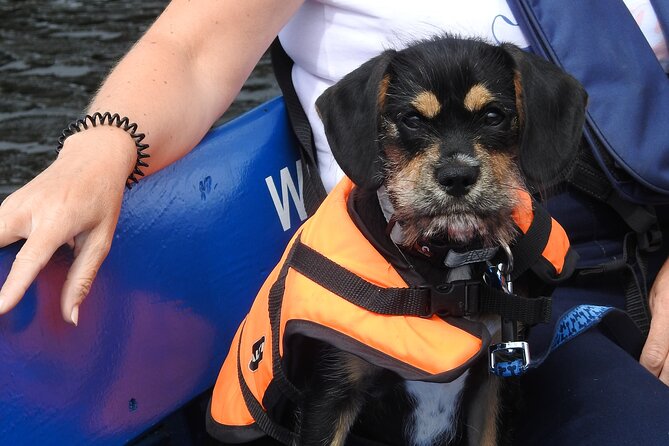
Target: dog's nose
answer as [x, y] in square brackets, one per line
[457, 180]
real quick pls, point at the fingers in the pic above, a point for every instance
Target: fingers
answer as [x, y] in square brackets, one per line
[664, 374]
[91, 250]
[10, 230]
[66, 203]
[655, 353]
[29, 261]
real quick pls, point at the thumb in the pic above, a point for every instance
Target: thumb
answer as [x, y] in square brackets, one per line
[90, 251]
[655, 353]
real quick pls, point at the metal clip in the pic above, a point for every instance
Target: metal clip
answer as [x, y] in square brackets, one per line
[499, 276]
[509, 358]
[504, 271]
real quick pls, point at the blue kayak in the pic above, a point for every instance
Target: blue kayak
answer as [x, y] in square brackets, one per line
[193, 245]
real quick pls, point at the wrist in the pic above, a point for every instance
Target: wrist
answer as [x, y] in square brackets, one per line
[122, 144]
[102, 151]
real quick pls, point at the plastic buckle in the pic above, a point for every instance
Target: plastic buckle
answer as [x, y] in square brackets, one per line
[458, 298]
[509, 358]
[651, 240]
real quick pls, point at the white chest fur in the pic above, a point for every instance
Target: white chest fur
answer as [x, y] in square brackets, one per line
[435, 411]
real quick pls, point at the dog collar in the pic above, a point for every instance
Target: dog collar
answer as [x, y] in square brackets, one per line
[449, 255]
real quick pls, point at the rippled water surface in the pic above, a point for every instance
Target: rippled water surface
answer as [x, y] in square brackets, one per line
[53, 56]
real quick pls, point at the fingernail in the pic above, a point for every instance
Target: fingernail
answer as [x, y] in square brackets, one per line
[74, 316]
[3, 304]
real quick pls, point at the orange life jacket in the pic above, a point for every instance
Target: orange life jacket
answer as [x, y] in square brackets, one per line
[255, 381]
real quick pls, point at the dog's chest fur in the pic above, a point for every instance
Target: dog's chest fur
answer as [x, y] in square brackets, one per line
[435, 411]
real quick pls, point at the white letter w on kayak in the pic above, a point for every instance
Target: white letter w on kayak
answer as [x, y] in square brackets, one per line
[282, 204]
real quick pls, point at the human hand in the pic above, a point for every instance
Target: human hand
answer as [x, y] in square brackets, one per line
[655, 353]
[75, 201]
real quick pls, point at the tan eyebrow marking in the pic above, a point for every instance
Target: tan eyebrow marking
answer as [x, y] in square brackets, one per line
[427, 104]
[477, 97]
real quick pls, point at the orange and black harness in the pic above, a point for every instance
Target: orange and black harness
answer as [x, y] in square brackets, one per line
[333, 286]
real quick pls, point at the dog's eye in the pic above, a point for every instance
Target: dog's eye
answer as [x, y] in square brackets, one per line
[411, 121]
[494, 117]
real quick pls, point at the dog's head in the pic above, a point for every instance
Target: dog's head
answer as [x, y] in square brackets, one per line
[453, 128]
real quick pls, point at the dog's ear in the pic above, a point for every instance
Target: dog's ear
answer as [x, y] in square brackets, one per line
[551, 107]
[350, 111]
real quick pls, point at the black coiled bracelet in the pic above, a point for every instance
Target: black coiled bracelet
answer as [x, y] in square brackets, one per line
[124, 123]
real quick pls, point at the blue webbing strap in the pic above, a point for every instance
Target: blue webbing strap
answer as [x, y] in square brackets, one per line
[600, 44]
[515, 361]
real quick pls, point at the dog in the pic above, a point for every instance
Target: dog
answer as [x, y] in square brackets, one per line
[439, 137]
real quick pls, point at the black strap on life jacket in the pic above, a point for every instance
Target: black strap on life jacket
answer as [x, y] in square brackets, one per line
[459, 298]
[527, 250]
[262, 419]
[287, 388]
[314, 191]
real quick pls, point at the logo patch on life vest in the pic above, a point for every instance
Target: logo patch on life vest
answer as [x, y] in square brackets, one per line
[256, 354]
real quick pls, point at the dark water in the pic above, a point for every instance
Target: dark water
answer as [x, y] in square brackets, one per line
[53, 56]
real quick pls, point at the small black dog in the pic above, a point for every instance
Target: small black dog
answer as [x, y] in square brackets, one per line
[448, 130]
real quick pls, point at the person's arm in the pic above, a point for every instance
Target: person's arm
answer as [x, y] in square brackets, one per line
[187, 69]
[174, 83]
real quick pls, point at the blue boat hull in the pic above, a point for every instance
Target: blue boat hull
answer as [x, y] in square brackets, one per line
[193, 245]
